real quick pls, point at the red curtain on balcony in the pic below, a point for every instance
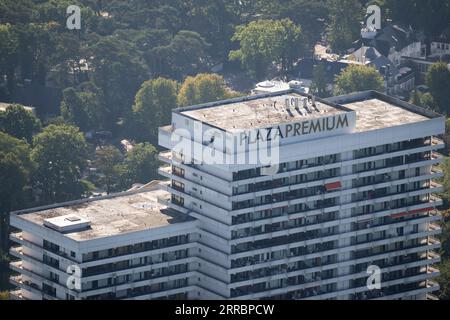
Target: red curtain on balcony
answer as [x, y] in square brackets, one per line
[333, 186]
[402, 214]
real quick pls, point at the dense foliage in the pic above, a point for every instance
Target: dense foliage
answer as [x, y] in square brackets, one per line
[358, 78]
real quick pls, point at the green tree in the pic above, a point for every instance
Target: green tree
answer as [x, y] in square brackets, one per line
[214, 21]
[15, 12]
[142, 163]
[429, 16]
[444, 279]
[84, 107]
[36, 47]
[424, 100]
[9, 46]
[446, 180]
[202, 88]
[184, 55]
[438, 80]
[60, 152]
[152, 108]
[358, 78]
[117, 69]
[4, 295]
[291, 45]
[16, 168]
[344, 26]
[109, 162]
[312, 16]
[319, 84]
[19, 122]
[262, 42]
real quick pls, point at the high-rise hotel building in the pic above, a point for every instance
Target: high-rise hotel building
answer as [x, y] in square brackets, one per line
[349, 191]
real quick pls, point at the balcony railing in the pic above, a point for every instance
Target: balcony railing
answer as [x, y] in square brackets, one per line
[16, 295]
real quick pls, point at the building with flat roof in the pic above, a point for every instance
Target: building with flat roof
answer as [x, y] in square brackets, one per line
[352, 188]
[122, 246]
[346, 187]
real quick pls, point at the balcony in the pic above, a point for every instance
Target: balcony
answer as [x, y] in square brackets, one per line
[406, 145]
[16, 251]
[435, 141]
[431, 296]
[26, 285]
[16, 280]
[16, 266]
[165, 171]
[328, 248]
[431, 255]
[281, 270]
[244, 265]
[261, 290]
[16, 295]
[165, 156]
[436, 170]
[425, 286]
[302, 197]
[164, 136]
[434, 156]
[16, 237]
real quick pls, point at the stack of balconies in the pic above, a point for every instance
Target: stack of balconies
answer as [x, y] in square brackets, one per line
[244, 233]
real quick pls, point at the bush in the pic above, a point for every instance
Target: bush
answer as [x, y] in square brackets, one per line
[4, 295]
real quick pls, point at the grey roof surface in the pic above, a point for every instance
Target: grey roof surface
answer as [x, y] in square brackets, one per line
[124, 213]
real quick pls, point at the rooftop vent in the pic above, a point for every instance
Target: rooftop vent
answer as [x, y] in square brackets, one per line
[73, 218]
[67, 223]
[295, 84]
[266, 84]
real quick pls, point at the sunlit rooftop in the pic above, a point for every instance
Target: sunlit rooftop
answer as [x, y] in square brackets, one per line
[262, 112]
[129, 212]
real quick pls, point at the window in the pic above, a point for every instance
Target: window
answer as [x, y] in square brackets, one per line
[50, 246]
[48, 290]
[178, 185]
[50, 261]
[54, 277]
[72, 254]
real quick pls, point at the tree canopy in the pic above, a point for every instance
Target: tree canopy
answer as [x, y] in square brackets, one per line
[142, 163]
[344, 27]
[438, 80]
[358, 78]
[109, 162]
[19, 122]
[203, 88]
[152, 107]
[263, 42]
[16, 168]
[60, 153]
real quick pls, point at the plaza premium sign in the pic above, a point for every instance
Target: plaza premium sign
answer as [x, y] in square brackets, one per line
[302, 128]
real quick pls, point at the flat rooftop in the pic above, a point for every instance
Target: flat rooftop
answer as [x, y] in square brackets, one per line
[375, 114]
[377, 111]
[373, 111]
[111, 216]
[260, 111]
